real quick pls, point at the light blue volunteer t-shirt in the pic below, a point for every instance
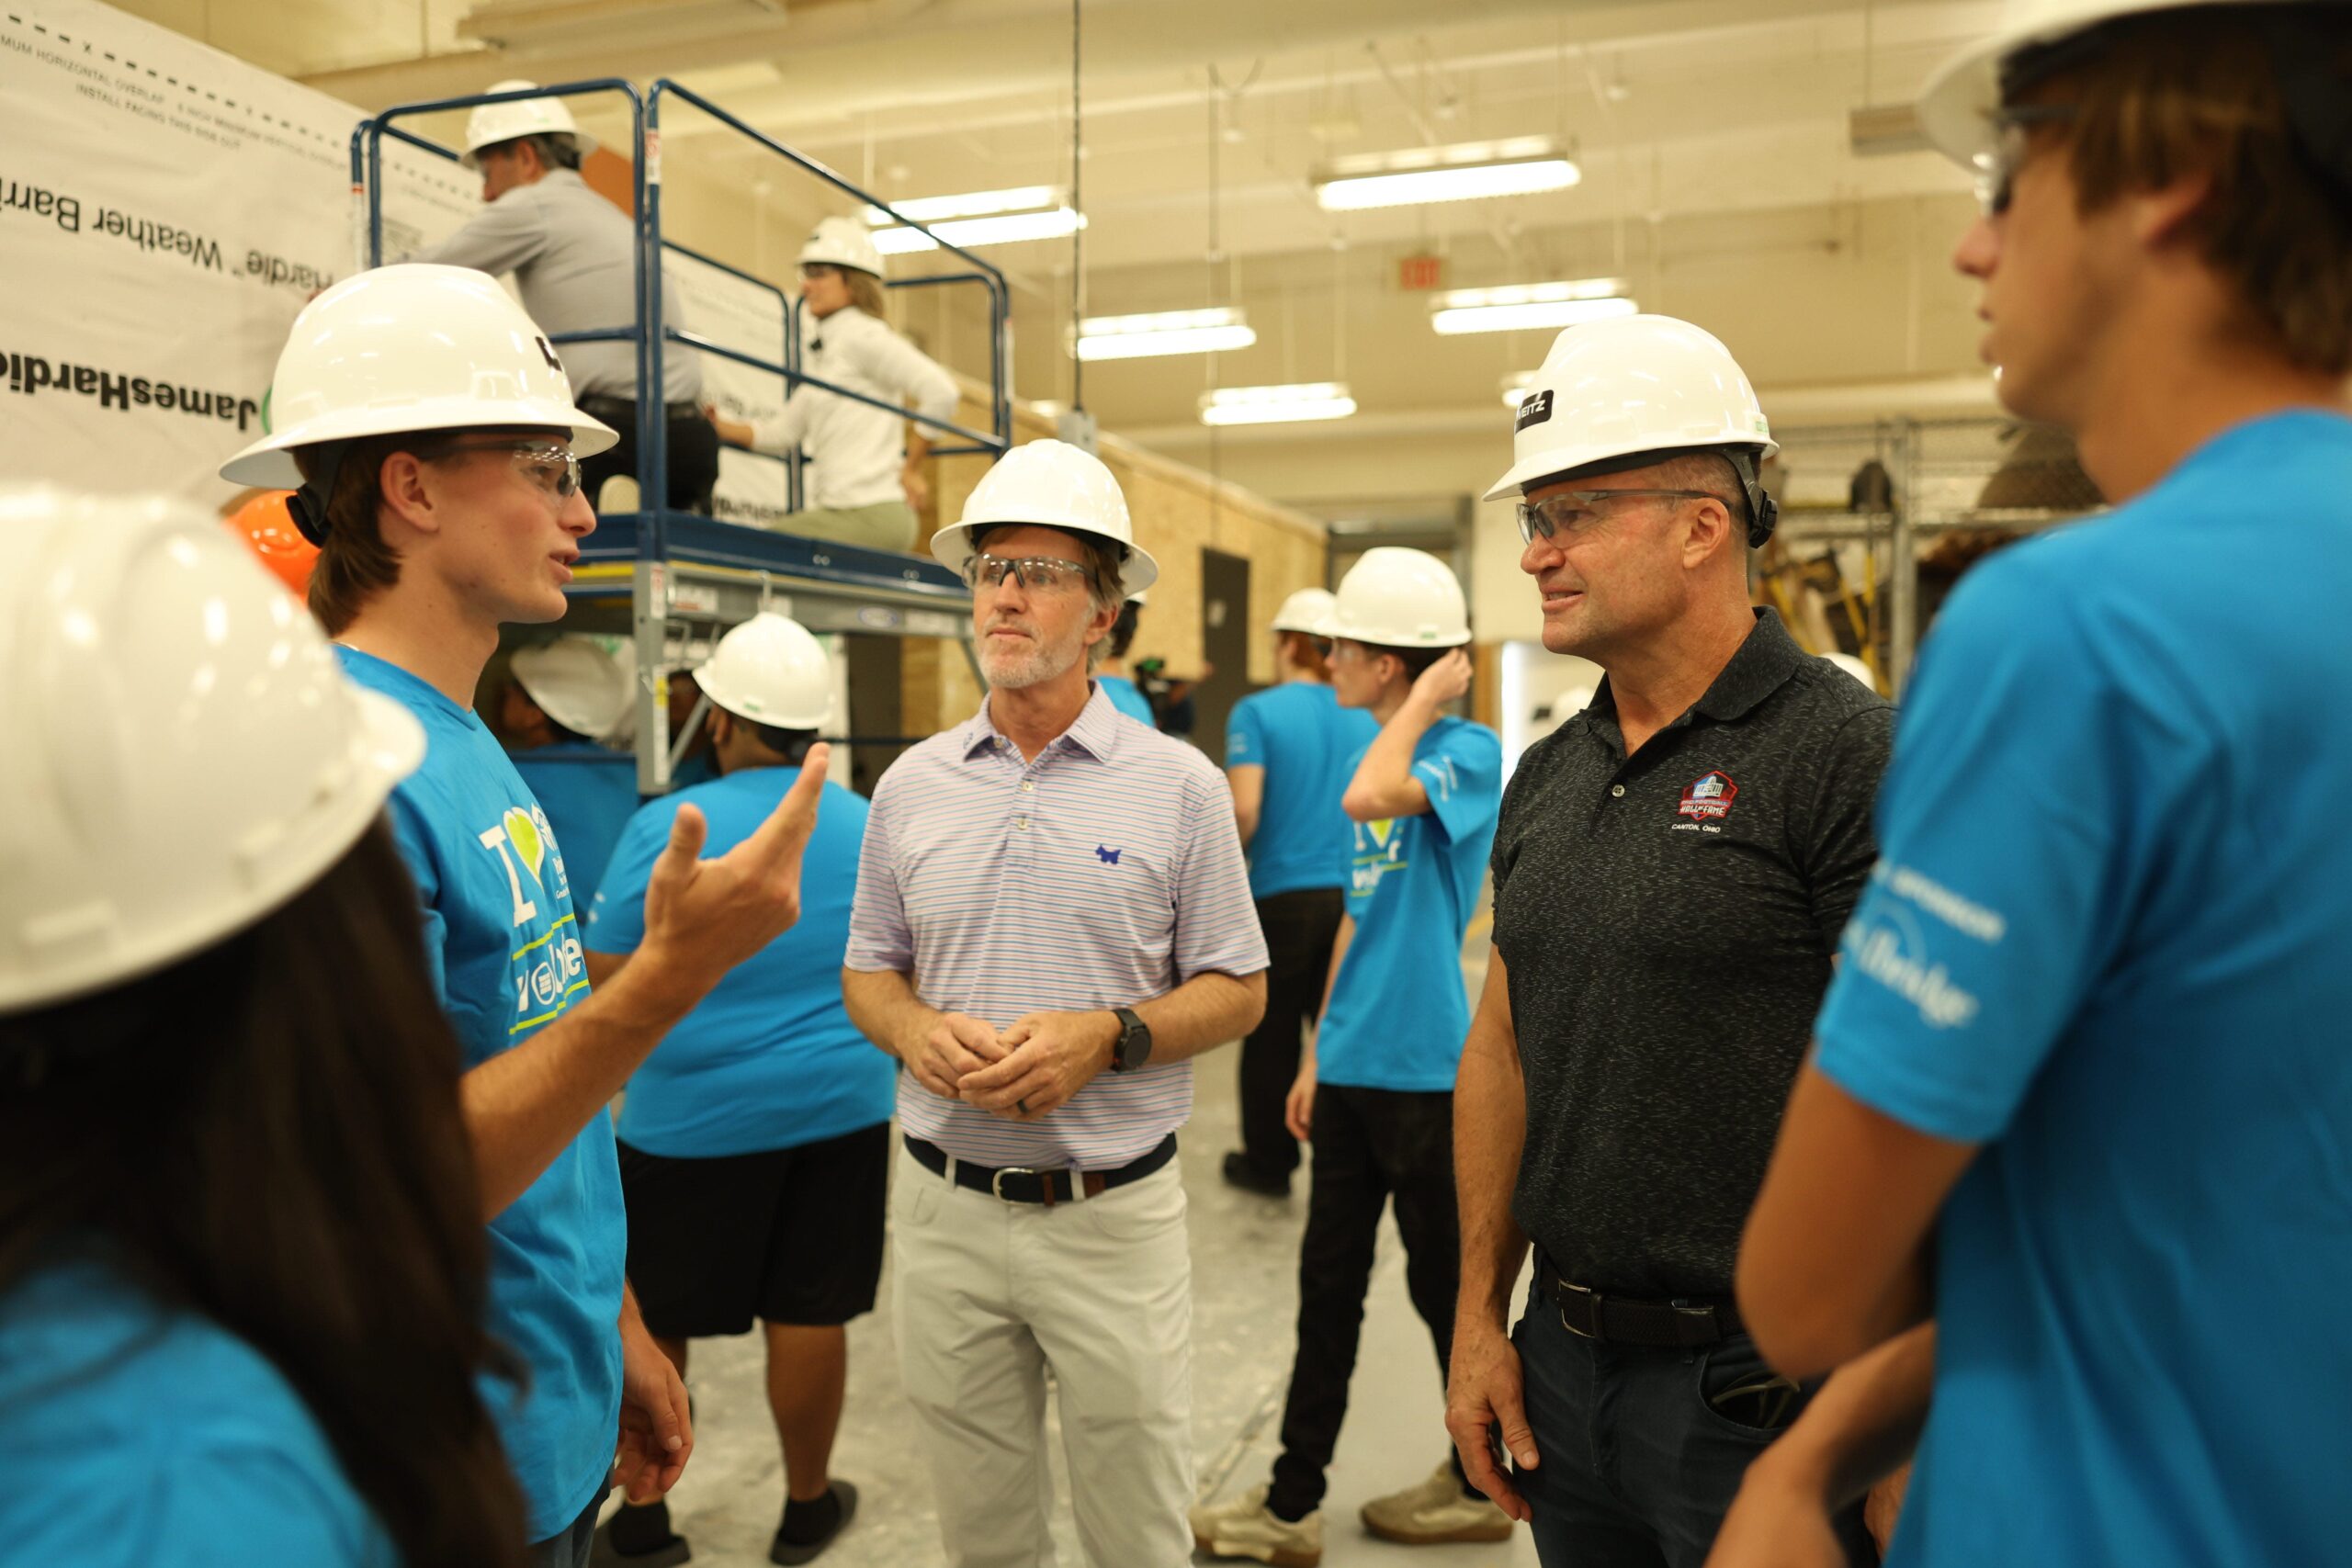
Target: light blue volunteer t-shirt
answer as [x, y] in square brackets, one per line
[1308, 745]
[1126, 696]
[139, 1436]
[505, 954]
[770, 1059]
[1398, 1014]
[2105, 939]
[589, 792]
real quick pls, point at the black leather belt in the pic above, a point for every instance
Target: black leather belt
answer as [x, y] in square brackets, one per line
[1684, 1323]
[1020, 1184]
[600, 405]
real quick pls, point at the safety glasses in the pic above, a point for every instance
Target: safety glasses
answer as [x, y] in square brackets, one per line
[1035, 574]
[1997, 170]
[549, 465]
[1571, 511]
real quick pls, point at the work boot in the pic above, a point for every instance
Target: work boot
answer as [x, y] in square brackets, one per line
[810, 1527]
[1239, 1172]
[1436, 1511]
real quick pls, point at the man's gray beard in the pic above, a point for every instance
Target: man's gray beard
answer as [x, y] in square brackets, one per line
[1035, 667]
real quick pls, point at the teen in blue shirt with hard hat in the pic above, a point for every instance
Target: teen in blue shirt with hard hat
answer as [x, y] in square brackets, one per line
[564, 699]
[1288, 754]
[1112, 674]
[1376, 1091]
[439, 473]
[243, 1274]
[755, 1140]
[2064, 1180]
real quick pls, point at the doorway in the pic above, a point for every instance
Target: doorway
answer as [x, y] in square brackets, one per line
[1224, 647]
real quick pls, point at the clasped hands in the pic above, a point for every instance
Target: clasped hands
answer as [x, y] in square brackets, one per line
[1019, 1074]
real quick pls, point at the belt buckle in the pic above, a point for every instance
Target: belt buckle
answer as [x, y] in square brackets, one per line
[996, 1180]
[1590, 1295]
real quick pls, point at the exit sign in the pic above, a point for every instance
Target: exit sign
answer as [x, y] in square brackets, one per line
[1420, 274]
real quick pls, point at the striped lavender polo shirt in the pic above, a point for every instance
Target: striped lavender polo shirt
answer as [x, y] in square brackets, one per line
[1104, 873]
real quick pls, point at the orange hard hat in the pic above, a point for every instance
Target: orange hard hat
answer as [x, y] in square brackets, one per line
[266, 524]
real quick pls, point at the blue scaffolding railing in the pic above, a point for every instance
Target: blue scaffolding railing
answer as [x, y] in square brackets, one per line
[652, 337]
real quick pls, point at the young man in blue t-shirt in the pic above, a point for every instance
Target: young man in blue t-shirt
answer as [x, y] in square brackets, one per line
[2064, 1180]
[440, 476]
[1375, 1091]
[754, 1142]
[1289, 751]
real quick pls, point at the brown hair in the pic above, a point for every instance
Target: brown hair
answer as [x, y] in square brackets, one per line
[2173, 95]
[865, 292]
[1307, 652]
[267, 1134]
[354, 564]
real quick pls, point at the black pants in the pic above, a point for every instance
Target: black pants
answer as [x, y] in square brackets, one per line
[1300, 928]
[1639, 1464]
[693, 455]
[1370, 1145]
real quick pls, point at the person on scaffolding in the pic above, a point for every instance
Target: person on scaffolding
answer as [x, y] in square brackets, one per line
[573, 255]
[865, 479]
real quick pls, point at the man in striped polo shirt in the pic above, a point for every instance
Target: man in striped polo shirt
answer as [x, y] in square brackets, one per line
[1052, 917]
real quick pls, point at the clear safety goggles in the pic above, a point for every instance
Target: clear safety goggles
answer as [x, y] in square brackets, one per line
[1035, 574]
[549, 465]
[1571, 511]
[1996, 171]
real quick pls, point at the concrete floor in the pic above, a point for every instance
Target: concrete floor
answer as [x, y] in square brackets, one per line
[1245, 1253]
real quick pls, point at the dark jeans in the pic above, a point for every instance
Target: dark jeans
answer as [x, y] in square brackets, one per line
[693, 455]
[1300, 928]
[1370, 1145]
[1638, 1468]
[571, 1549]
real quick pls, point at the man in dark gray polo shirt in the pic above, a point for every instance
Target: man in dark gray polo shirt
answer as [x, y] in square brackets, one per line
[1671, 874]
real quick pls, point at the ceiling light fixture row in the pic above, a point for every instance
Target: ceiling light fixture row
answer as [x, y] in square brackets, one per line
[1464, 170]
[976, 217]
[1164, 332]
[1277, 405]
[1523, 307]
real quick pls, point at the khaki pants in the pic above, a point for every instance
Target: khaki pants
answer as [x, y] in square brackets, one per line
[991, 1294]
[885, 525]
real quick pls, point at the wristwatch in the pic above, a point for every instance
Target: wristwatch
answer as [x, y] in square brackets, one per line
[1133, 1046]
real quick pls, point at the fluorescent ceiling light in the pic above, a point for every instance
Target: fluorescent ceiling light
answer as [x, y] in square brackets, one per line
[1525, 306]
[1466, 171]
[970, 204]
[1277, 405]
[1165, 331]
[1008, 229]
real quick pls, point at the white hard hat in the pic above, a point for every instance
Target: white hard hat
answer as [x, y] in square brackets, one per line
[1139, 599]
[1306, 611]
[1957, 106]
[842, 242]
[1634, 385]
[1049, 484]
[1854, 667]
[491, 124]
[576, 682]
[1399, 598]
[413, 348]
[770, 671]
[184, 752]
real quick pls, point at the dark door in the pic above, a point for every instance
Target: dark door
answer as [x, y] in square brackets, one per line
[1224, 647]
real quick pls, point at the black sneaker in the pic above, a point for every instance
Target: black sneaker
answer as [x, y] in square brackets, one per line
[1239, 1172]
[639, 1538]
[841, 1498]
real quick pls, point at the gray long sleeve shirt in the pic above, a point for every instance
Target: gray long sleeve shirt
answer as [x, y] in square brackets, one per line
[573, 255]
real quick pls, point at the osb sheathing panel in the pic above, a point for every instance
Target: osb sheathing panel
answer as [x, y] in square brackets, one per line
[1177, 512]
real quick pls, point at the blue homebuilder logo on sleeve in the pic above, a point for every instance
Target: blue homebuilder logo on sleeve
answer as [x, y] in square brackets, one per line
[1709, 799]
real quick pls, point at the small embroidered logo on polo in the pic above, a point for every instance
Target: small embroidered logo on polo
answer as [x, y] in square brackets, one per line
[1108, 857]
[1709, 798]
